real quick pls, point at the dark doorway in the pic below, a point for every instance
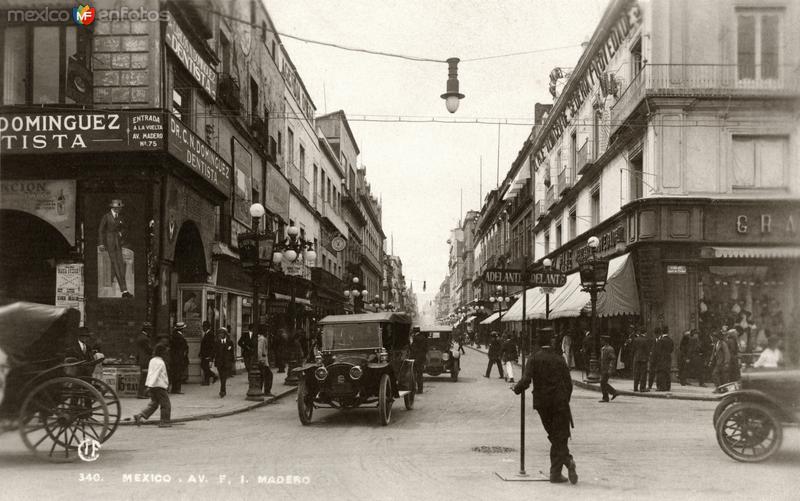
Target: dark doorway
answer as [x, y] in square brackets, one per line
[190, 256]
[30, 249]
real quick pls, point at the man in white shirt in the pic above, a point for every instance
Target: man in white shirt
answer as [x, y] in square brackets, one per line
[262, 353]
[771, 357]
[157, 382]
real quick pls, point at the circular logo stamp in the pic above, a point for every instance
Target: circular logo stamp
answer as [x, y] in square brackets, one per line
[89, 449]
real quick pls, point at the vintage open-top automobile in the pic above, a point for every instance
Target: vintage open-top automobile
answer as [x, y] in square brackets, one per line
[750, 417]
[363, 360]
[441, 357]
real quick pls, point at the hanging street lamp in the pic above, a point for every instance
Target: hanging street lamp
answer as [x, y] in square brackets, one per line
[452, 96]
[594, 273]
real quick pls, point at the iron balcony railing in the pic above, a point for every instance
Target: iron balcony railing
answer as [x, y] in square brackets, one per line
[705, 80]
[538, 210]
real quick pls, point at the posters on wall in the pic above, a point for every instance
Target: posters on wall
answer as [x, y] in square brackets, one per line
[69, 287]
[51, 200]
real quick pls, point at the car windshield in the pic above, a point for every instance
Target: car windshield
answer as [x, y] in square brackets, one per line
[351, 336]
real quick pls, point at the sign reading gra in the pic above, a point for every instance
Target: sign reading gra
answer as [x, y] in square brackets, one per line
[187, 147]
[200, 70]
[504, 276]
[81, 131]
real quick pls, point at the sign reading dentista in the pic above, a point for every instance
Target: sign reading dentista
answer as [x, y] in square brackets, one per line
[200, 70]
[80, 131]
[187, 147]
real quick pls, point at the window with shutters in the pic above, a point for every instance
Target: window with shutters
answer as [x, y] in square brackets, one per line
[759, 161]
[758, 43]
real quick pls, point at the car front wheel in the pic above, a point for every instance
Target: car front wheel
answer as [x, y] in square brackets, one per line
[305, 403]
[749, 432]
[385, 400]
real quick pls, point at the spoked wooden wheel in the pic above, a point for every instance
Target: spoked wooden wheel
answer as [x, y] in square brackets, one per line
[59, 414]
[305, 402]
[385, 400]
[749, 432]
[112, 401]
[408, 399]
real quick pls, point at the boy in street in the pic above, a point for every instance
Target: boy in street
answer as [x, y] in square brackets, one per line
[157, 382]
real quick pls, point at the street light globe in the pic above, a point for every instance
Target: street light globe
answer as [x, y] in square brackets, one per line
[365, 293]
[346, 293]
[311, 256]
[355, 280]
[492, 299]
[594, 242]
[277, 257]
[499, 288]
[355, 293]
[292, 231]
[451, 103]
[257, 210]
[547, 262]
[290, 255]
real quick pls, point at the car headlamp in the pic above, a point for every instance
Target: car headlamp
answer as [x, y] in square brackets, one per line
[356, 372]
[445, 356]
[729, 387]
[384, 356]
[321, 373]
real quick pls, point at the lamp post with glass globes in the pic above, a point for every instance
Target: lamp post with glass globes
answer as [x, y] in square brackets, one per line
[594, 273]
[355, 293]
[499, 297]
[256, 254]
[289, 251]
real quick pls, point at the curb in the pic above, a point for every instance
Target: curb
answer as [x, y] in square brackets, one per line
[650, 394]
[214, 415]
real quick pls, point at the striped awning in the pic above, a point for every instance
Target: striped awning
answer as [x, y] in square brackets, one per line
[752, 252]
[491, 318]
[534, 306]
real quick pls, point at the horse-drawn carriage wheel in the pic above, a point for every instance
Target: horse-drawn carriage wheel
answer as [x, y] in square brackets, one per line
[749, 432]
[112, 401]
[59, 414]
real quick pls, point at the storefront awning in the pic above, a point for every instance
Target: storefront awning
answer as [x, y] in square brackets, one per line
[620, 297]
[470, 318]
[753, 252]
[533, 308]
[491, 318]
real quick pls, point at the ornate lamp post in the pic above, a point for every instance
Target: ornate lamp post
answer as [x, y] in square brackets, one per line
[355, 293]
[594, 273]
[255, 252]
[499, 297]
[290, 250]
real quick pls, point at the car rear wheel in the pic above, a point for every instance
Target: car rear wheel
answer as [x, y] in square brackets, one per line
[305, 403]
[385, 400]
[749, 432]
[409, 397]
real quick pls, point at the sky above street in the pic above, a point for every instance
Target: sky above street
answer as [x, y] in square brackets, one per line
[421, 169]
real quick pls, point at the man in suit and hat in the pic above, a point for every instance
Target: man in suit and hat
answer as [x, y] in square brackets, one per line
[223, 358]
[720, 360]
[419, 352]
[178, 357]
[109, 238]
[608, 365]
[495, 350]
[207, 348]
[143, 353]
[552, 389]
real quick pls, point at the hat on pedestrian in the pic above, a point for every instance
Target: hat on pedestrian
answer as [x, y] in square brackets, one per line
[222, 330]
[84, 332]
[180, 326]
[147, 326]
[494, 333]
[657, 331]
[116, 204]
[605, 337]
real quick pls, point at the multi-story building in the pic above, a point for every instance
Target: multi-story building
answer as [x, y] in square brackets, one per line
[442, 300]
[674, 140]
[372, 237]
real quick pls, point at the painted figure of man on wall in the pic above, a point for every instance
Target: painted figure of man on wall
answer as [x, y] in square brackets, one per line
[109, 238]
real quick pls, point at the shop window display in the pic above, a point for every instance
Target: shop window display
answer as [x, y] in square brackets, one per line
[757, 301]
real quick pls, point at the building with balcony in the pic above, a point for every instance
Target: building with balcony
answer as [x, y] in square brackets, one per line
[675, 141]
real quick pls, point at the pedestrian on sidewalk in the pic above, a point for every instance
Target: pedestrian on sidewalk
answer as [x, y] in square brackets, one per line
[207, 348]
[552, 389]
[683, 357]
[734, 373]
[651, 357]
[608, 366]
[495, 350]
[223, 358]
[586, 353]
[157, 383]
[720, 361]
[248, 344]
[460, 340]
[509, 355]
[281, 349]
[143, 353]
[694, 354]
[641, 354]
[566, 348]
[262, 355]
[178, 357]
[663, 360]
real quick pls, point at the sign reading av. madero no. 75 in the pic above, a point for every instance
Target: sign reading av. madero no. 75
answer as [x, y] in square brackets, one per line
[506, 276]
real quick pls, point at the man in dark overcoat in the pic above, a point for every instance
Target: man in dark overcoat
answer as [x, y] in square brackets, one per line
[641, 353]
[178, 357]
[552, 389]
[248, 344]
[143, 353]
[495, 350]
[419, 352]
[663, 360]
[224, 358]
[207, 354]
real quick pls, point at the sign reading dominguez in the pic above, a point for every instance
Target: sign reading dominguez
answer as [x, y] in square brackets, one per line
[81, 131]
[200, 70]
[187, 147]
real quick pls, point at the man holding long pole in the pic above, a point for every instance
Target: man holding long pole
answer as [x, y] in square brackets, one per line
[552, 389]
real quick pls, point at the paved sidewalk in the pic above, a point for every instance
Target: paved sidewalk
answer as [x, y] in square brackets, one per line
[625, 386]
[203, 402]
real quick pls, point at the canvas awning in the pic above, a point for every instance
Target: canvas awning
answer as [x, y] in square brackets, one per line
[752, 252]
[470, 319]
[491, 318]
[534, 306]
[621, 296]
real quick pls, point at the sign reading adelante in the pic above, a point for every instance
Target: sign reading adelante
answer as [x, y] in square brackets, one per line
[547, 279]
[504, 276]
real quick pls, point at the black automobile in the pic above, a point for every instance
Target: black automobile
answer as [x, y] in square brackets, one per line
[750, 417]
[441, 357]
[363, 361]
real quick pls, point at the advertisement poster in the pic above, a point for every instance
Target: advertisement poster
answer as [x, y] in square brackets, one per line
[243, 184]
[69, 287]
[115, 258]
[53, 201]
